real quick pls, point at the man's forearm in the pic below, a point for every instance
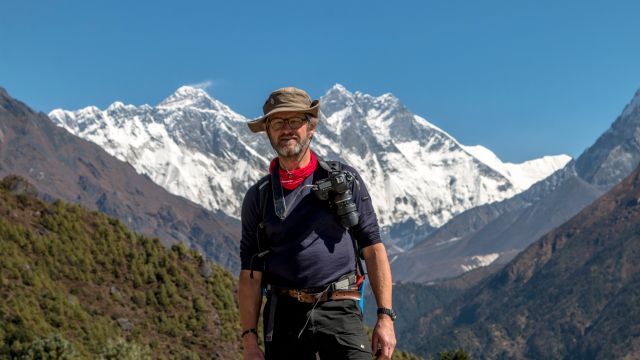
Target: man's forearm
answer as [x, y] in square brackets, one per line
[379, 273]
[383, 341]
[250, 298]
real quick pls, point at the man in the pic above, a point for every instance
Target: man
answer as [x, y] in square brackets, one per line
[303, 249]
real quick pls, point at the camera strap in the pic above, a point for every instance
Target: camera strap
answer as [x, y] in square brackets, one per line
[279, 202]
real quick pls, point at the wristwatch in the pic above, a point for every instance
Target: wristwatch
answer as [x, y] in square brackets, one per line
[388, 312]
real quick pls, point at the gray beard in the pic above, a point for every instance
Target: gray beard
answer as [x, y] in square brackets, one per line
[293, 152]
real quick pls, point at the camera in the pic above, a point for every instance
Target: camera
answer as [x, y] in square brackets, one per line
[337, 189]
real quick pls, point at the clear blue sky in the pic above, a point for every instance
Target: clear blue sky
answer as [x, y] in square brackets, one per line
[523, 78]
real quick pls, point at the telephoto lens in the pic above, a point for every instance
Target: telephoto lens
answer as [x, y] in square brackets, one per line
[346, 209]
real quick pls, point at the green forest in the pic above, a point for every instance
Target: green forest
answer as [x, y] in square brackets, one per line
[77, 284]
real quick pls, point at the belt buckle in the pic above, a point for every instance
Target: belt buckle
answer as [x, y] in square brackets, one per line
[297, 294]
[342, 284]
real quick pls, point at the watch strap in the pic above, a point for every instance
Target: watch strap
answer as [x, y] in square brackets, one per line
[387, 311]
[252, 330]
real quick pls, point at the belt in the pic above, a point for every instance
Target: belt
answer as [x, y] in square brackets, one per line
[307, 297]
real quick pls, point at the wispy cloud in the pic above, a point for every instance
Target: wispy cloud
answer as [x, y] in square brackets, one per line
[203, 85]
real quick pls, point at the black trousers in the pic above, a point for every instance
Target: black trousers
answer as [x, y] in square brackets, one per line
[333, 330]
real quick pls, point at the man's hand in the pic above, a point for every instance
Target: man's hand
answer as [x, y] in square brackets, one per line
[384, 337]
[252, 351]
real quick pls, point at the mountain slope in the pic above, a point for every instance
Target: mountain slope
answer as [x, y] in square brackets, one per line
[82, 283]
[64, 166]
[499, 240]
[617, 152]
[196, 147]
[572, 294]
[502, 229]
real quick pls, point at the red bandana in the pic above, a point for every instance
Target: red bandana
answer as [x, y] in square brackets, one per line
[291, 179]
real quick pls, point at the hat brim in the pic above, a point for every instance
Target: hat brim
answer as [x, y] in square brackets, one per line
[259, 124]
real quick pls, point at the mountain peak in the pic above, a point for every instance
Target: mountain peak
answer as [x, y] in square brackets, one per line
[119, 106]
[187, 90]
[189, 96]
[339, 87]
[384, 101]
[11, 105]
[338, 91]
[634, 104]
[388, 97]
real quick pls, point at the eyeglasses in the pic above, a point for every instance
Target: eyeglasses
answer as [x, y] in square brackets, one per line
[294, 123]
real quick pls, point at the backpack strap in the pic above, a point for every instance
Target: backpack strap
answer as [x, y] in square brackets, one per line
[359, 255]
[330, 166]
[264, 185]
[263, 188]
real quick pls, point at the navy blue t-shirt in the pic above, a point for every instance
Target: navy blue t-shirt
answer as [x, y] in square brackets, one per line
[309, 248]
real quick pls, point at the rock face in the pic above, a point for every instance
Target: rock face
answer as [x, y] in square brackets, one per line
[500, 230]
[419, 176]
[617, 152]
[64, 166]
[571, 294]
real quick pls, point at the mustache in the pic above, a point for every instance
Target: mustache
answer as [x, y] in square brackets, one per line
[288, 137]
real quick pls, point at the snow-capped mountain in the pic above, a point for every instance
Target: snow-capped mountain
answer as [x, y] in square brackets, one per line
[496, 232]
[522, 175]
[418, 175]
[188, 144]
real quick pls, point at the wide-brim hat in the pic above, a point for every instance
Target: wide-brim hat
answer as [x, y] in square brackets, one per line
[283, 100]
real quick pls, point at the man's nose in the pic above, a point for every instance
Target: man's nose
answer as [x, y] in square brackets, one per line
[286, 127]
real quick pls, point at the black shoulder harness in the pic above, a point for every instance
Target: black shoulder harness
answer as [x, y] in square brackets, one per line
[264, 186]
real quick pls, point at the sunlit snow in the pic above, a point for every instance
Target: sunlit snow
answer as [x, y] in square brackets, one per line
[195, 146]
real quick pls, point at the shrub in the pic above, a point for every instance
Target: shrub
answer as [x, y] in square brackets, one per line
[119, 349]
[51, 347]
[458, 354]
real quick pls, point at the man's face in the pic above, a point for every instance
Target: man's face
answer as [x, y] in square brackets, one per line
[288, 142]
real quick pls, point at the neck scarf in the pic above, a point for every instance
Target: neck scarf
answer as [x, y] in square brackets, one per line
[291, 179]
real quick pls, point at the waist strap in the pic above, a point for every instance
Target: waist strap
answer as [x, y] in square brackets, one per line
[311, 298]
[347, 287]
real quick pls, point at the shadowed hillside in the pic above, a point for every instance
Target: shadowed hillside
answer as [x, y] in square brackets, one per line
[573, 294]
[79, 283]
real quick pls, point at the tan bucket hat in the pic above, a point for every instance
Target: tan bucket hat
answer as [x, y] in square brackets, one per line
[286, 99]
